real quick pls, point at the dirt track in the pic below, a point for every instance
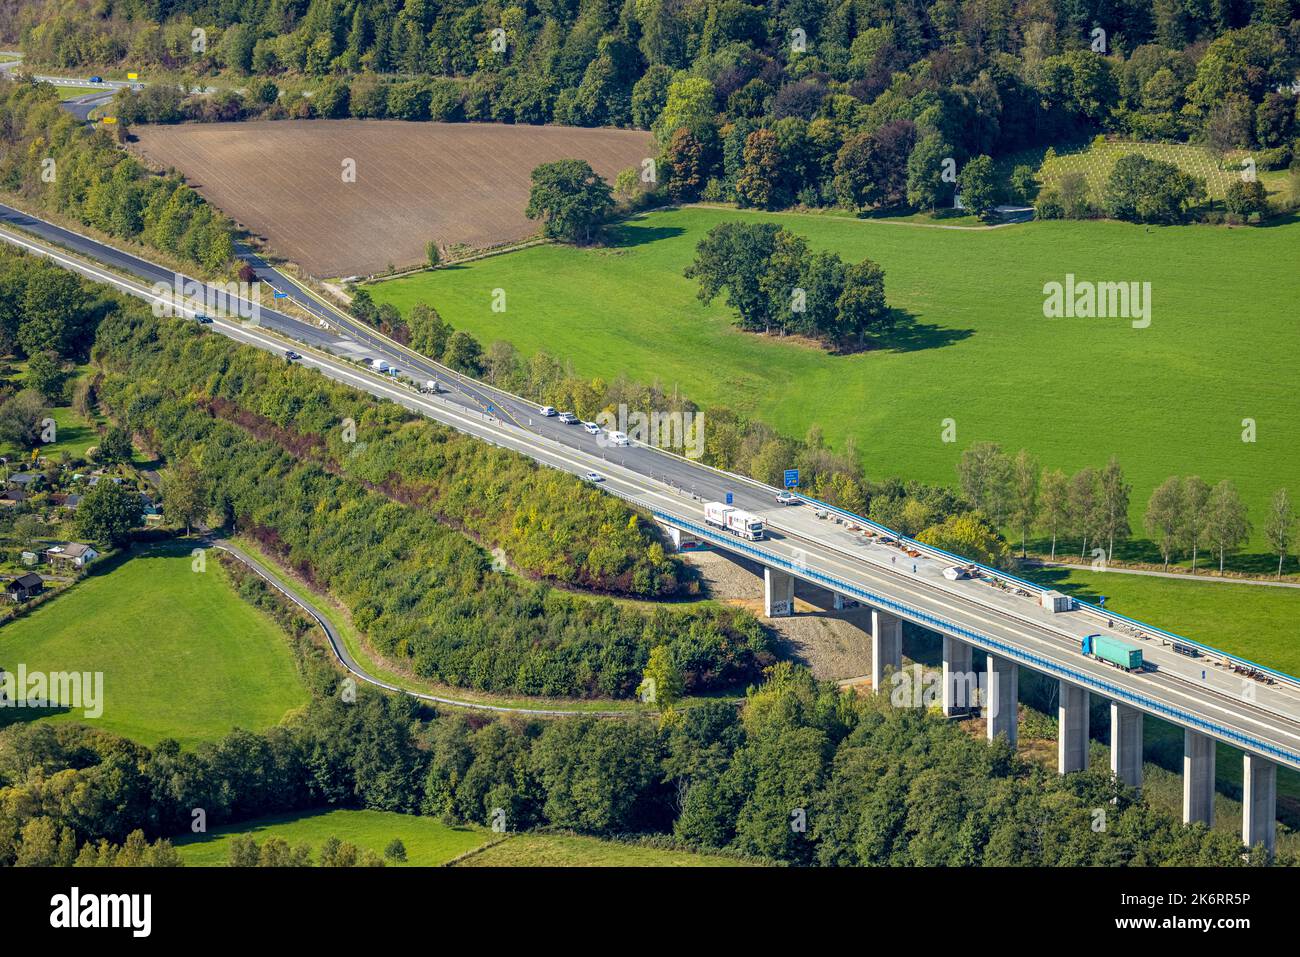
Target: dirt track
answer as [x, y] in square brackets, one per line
[834, 644]
[451, 182]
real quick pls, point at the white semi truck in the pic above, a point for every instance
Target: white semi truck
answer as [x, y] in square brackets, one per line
[734, 520]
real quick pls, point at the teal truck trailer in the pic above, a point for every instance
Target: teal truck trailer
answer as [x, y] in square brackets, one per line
[1113, 651]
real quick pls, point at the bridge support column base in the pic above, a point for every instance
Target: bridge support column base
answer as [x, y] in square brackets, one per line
[1072, 728]
[1126, 744]
[778, 593]
[682, 541]
[841, 602]
[1002, 694]
[1259, 802]
[1198, 778]
[959, 682]
[886, 646]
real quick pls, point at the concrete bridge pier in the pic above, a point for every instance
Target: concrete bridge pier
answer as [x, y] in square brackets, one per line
[778, 593]
[1003, 693]
[681, 540]
[959, 686]
[1259, 802]
[1126, 744]
[1198, 778]
[886, 646]
[1072, 728]
[841, 602]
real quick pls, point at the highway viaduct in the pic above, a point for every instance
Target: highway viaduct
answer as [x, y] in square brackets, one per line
[993, 692]
[899, 580]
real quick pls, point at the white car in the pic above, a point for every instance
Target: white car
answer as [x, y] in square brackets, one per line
[593, 477]
[592, 428]
[568, 418]
[547, 410]
[787, 498]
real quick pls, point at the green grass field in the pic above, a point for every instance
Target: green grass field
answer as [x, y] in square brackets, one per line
[1096, 161]
[1166, 399]
[428, 841]
[1255, 621]
[182, 655]
[74, 433]
[71, 92]
[568, 850]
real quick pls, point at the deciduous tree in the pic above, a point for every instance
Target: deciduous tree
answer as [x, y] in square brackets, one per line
[1165, 516]
[570, 199]
[1279, 528]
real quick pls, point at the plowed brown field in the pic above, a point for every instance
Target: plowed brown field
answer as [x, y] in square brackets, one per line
[450, 182]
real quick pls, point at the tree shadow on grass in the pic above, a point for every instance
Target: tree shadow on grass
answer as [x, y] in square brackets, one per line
[631, 233]
[1283, 219]
[910, 335]
[13, 714]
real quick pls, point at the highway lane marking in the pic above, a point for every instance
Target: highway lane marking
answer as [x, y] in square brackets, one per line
[938, 599]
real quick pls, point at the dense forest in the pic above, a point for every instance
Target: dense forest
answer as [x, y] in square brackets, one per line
[856, 103]
[802, 774]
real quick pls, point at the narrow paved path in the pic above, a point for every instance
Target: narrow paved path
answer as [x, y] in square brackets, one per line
[1181, 576]
[345, 658]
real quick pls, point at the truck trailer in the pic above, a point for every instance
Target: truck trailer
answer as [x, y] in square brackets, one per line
[1113, 651]
[734, 520]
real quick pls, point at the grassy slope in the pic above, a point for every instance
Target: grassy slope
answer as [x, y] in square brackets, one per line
[1255, 621]
[74, 433]
[428, 841]
[1168, 398]
[183, 656]
[1096, 161]
[567, 850]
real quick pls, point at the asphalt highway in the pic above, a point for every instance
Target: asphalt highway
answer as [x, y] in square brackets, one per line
[1205, 693]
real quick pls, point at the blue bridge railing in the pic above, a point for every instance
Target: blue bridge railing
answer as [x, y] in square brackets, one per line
[1009, 651]
[1104, 612]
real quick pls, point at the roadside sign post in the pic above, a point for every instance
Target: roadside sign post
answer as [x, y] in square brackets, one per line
[791, 478]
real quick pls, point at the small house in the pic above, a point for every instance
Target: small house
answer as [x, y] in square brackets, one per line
[26, 480]
[24, 587]
[72, 553]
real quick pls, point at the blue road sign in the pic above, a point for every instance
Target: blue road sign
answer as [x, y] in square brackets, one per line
[1101, 601]
[791, 478]
[277, 294]
[729, 498]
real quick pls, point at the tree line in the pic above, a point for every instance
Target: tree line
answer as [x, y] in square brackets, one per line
[801, 773]
[1184, 517]
[817, 103]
